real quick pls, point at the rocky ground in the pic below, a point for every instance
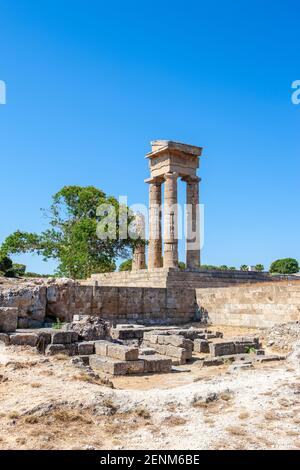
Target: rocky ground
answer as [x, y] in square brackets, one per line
[48, 403]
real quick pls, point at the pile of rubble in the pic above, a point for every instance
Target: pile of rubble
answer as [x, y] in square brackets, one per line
[282, 336]
[135, 349]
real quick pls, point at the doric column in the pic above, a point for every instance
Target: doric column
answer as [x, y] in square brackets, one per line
[170, 221]
[139, 259]
[192, 223]
[155, 238]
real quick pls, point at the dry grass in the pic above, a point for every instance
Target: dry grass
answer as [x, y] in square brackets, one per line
[244, 415]
[108, 403]
[236, 430]
[271, 415]
[13, 415]
[143, 413]
[64, 415]
[61, 357]
[85, 377]
[175, 420]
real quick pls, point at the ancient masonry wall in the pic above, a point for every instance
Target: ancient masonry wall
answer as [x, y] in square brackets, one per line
[119, 304]
[256, 305]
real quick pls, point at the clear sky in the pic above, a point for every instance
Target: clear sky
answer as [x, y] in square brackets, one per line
[90, 83]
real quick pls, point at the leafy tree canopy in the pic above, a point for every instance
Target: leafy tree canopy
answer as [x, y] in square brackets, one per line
[126, 265]
[72, 236]
[285, 266]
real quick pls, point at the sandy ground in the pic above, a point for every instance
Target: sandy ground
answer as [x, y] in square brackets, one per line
[48, 403]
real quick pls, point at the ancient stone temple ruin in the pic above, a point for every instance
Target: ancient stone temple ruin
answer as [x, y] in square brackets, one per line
[169, 161]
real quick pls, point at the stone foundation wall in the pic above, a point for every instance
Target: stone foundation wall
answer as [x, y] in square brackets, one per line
[144, 305]
[173, 278]
[256, 305]
[123, 304]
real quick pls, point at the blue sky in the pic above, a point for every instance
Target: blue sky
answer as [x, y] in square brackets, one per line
[90, 83]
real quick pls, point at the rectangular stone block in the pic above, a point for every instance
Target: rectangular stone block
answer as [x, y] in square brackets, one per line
[151, 337]
[160, 348]
[121, 352]
[178, 353]
[112, 366]
[24, 339]
[244, 347]
[155, 363]
[86, 348]
[201, 346]
[8, 319]
[68, 349]
[101, 347]
[221, 348]
[64, 337]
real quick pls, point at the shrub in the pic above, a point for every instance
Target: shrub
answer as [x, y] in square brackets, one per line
[19, 269]
[244, 267]
[223, 267]
[181, 265]
[259, 267]
[126, 265]
[285, 266]
[5, 263]
[6, 266]
[209, 267]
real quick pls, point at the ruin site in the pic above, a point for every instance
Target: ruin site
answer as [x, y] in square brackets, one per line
[157, 357]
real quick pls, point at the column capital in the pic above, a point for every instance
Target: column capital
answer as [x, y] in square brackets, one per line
[171, 175]
[157, 180]
[191, 179]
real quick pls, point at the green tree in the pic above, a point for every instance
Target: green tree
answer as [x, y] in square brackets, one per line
[259, 267]
[181, 265]
[126, 265]
[223, 267]
[6, 266]
[73, 237]
[285, 266]
[244, 267]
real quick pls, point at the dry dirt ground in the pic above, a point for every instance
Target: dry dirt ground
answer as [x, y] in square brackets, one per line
[48, 403]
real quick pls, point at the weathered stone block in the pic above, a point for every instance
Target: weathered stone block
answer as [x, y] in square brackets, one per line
[221, 348]
[112, 366]
[101, 347]
[201, 346]
[68, 349]
[121, 352]
[160, 348]
[156, 363]
[244, 347]
[8, 319]
[64, 337]
[270, 358]
[178, 353]
[24, 339]
[86, 348]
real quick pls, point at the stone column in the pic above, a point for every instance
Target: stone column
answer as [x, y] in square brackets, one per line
[155, 238]
[192, 223]
[139, 259]
[170, 222]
